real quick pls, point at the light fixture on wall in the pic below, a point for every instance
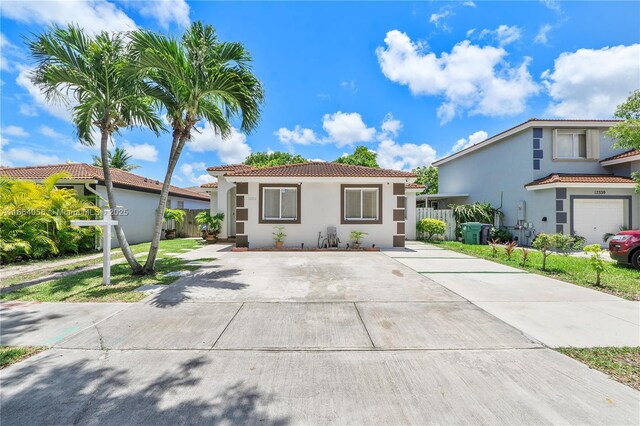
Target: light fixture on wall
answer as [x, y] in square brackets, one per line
[544, 219]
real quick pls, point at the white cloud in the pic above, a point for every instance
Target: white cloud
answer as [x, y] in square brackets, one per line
[233, 149]
[552, 5]
[323, 96]
[165, 11]
[439, 19]
[15, 131]
[473, 139]
[49, 132]
[190, 171]
[93, 16]
[580, 89]
[27, 157]
[347, 128]
[5, 45]
[470, 32]
[28, 110]
[469, 4]
[503, 35]
[57, 108]
[142, 151]
[390, 126]
[542, 37]
[392, 155]
[349, 84]
[473, 78]
[298, 135]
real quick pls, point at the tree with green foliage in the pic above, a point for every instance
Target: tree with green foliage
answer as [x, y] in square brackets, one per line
[598, 264]
[362, 156]
[627, 132]
[276, 158]
[118, 159]
[92, 71]
[427, 176]
[544, 243]
[195, 79]
[431, 227]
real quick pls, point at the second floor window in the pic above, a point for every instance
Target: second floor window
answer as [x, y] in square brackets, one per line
[571, 144]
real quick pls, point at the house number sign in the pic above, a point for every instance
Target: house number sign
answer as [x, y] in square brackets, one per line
[599, 192]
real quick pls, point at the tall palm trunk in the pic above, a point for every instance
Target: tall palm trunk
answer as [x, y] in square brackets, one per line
[179, 140]
[108, 183]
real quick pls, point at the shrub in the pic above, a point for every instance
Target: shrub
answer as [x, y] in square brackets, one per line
[176, 215]
[431, 227]
[509, 248]
[477, 212]
[565, 243]
[598, 264]
[494, 247]
[501, 235]
[544, 243]
[525, 256]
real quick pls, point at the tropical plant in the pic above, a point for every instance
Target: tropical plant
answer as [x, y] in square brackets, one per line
[362, 156]
[565, 243]
[598, 264]
[544, 243]
[91, 71]
[509, 248]
[501, 235]
[356, 237]
[525, 256]
[427, 176]
[212, 222]
[277, 158]
[175, 215]
[35, 220]
[278, 234]
[494, 247]
[477, 212]
[195, 79]
[118, 159]
[627, 132]
[431, 227]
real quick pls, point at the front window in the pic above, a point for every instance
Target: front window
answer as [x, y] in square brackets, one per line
[181, 204]
[571, 144]
[279, 203]
[361, 204]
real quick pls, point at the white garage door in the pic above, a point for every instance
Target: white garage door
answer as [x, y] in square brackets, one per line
[592, 218]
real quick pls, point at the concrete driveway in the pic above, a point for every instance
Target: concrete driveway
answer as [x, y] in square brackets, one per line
[307, 338]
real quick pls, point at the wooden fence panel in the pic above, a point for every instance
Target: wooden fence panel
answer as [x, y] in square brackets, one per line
[444, 215]
[190, 228]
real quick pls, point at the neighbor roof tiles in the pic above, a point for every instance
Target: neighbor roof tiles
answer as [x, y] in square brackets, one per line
[318, 169]
[579, 178]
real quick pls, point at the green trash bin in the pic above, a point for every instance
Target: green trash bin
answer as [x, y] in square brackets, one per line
[471, 232]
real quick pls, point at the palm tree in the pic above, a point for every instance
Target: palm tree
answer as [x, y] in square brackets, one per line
[91, 71]
[195, 79]
[118, 159]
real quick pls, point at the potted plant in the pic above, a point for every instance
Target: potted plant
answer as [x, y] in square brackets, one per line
[278, 236]
[175, 215]
[356, 238]
[213, 225]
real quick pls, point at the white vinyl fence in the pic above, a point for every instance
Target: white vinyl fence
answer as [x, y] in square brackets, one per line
[444, 215]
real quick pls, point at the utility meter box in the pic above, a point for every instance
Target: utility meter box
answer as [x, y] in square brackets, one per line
[522, 213]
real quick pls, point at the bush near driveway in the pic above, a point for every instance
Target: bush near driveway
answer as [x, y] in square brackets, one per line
[619, 280]
[12, 354]
[622, 364]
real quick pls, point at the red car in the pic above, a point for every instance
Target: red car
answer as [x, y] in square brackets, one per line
[624, 247]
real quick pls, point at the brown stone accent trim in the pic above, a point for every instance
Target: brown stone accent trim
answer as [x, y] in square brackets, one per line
[399, 226]
[401, 202]
[242, 188]
[242, 214]
[398, 215]
[398, 240]
[242, 241]
[239, 200]
[344, 221]
[239, 228]
[398, 189]
[280, 185]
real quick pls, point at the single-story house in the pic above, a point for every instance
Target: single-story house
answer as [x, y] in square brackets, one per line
[563, 176]
[308, 198]
[137, 196]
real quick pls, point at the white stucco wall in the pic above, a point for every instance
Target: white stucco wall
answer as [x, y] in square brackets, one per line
[320, 208]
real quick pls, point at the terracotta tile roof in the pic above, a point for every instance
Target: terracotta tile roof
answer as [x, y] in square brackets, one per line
[209, 185]
[579, 178]
[321, 169]
[82, 171]
[230, 168]
[414, 186]
[627, 154]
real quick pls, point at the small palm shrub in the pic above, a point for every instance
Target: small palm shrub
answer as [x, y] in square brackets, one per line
[431, 227]
[509, 248]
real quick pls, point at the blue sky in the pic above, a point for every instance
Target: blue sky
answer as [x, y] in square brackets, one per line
[413, 81]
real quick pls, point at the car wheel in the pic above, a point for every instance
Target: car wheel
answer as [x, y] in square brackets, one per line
[635, 259]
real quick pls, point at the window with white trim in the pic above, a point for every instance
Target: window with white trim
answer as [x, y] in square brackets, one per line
[571, 144]
[279, 203]
[361, 204]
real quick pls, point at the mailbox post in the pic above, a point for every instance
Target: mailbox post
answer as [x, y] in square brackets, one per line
[106, 223]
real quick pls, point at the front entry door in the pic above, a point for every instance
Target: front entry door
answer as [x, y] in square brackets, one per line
[231, 214]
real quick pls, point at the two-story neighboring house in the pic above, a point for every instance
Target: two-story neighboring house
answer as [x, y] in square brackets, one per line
[547, 176]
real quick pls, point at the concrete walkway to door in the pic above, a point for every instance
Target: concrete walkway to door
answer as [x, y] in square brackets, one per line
[553, 312]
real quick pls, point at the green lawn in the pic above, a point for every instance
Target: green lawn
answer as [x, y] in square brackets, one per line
[618, 280]
[166, 246]
[12, 354]
[87, 286]
[622, 364]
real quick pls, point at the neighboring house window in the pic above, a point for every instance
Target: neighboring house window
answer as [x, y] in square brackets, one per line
[361, 204]
[279, 203]
[434, 205]
[168, 203]
[576, 144]
[181, 204]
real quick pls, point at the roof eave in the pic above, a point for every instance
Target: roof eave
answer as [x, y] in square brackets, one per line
[617, 185]
[620, 160]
